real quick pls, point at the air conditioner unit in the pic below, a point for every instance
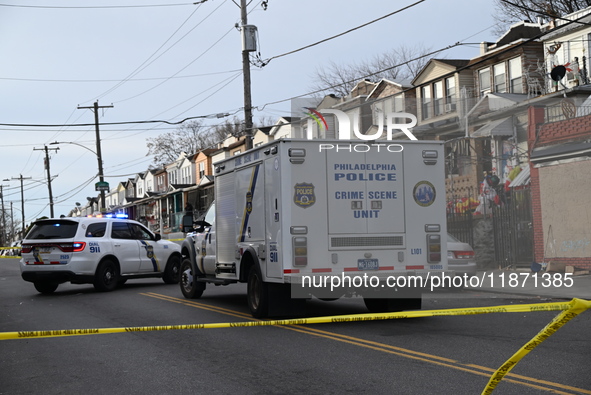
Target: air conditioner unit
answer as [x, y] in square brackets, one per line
[449, 107]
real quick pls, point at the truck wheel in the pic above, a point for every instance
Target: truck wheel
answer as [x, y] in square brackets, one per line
[106, 277]
[45, 287]
[257, 294]
[190, 288]
[172, 270]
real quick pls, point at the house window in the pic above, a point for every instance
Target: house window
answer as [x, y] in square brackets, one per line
[484, 81]
[450, 93]
[426, 102]
[459, 158]
[438, 98]
[398, 104]
[500, 83]
[515, 83]
[201, 170]
[378, 111]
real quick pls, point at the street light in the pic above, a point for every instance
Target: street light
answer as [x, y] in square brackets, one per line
[100, 168]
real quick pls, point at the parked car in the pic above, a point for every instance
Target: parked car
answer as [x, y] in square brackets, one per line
[460, 257]
[105, 252]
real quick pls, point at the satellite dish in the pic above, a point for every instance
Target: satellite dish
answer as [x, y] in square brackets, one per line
[557, 73]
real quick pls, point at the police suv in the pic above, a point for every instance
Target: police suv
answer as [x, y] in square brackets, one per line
[104, 251]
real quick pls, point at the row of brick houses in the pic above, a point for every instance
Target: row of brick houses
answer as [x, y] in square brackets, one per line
[517, 111]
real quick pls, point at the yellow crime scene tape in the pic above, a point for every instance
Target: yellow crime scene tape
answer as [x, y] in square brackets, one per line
[569, 311]
[9, 248]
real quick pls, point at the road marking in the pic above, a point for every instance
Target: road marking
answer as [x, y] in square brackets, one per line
[406, 353]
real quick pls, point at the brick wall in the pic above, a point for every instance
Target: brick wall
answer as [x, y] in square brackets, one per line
[559, 132]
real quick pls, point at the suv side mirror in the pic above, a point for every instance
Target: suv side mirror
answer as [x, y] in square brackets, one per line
[157, 237]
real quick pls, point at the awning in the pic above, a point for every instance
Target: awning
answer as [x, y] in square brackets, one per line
[561, 152]
[522, 178]
[498, 127]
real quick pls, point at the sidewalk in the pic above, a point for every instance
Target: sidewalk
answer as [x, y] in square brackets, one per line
[525, 282]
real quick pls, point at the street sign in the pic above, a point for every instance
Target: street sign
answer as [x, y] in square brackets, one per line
[101, 186]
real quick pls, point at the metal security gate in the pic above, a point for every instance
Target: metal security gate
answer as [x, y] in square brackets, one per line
[513, 231]
[460, 216]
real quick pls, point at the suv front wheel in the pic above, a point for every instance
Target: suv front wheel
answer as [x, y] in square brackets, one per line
[106, 277]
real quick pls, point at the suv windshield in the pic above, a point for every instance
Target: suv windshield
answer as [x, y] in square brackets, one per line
[53, 229]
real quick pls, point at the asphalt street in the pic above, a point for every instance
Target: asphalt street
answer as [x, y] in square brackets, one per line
[443, 355]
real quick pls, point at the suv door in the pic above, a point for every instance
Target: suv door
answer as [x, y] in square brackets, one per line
[151, 252]
[125, 247]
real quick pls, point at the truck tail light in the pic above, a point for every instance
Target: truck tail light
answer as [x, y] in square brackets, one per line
[300, 251]
[434, 248]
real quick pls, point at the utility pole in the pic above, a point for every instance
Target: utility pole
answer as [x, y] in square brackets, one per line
[3, 241]
[21, 178]
[246, 76]
[48, 176]
[99, 156]
[11, 223]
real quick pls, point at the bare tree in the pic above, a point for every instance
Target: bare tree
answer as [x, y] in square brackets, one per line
[397, 64]
[511, 11]
[230, 127]
[188, 138]
[191, 138]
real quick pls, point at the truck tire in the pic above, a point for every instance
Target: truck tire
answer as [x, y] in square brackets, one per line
[257, 293]
[106, 277]
[172, 271]
[190, 288]
[45, 287]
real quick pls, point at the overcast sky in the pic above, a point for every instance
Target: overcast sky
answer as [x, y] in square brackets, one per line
[156, 62]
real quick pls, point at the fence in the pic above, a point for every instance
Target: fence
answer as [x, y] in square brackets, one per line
[460, 222]
[513, 233]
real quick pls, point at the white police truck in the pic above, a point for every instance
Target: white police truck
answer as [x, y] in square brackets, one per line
[326, 218]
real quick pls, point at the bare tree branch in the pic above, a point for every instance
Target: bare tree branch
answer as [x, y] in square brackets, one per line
[341, 78]
[510, 12]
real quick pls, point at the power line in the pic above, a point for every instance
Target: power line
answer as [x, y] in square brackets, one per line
[186, 66]
[109, 123]
[360, 78]
[98, 6]
[147, 62]
[109, 80]
[545, 13]
[265, 62]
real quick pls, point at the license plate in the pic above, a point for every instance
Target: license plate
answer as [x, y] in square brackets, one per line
[368, 264]
[44, 250]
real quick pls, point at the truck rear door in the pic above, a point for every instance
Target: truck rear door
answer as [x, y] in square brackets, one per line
[365, 192]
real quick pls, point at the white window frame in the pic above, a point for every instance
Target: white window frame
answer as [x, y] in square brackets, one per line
[515, 75]
[426, 102]
[500, 77]
[484, 88]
